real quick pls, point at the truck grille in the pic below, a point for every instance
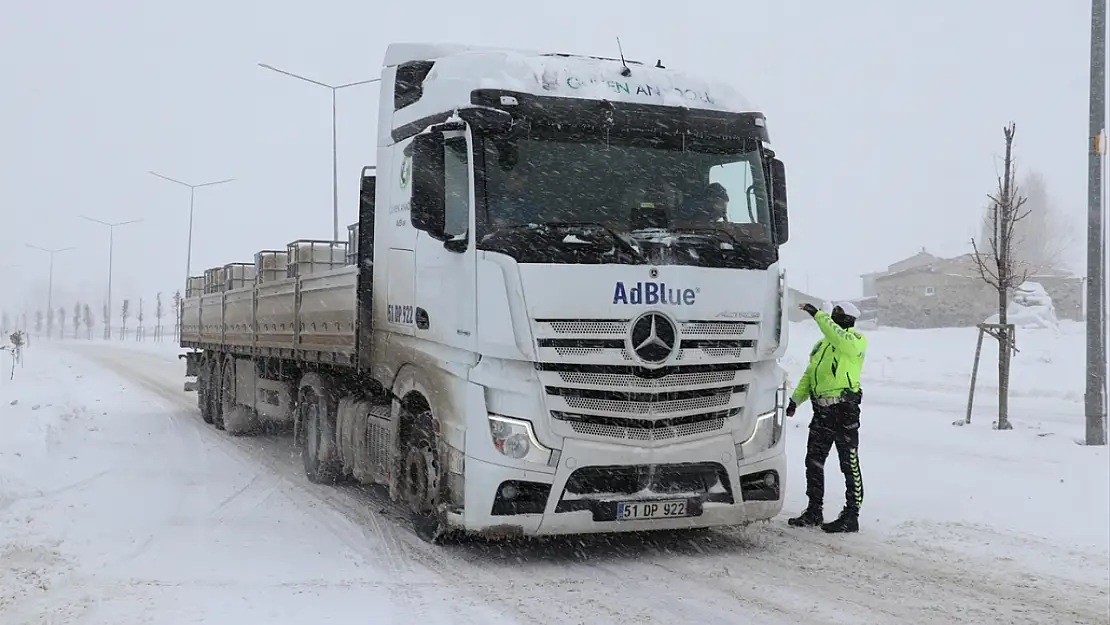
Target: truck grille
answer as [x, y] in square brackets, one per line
[595, 388]
[647, 404]
[643, 430]
[604, 341]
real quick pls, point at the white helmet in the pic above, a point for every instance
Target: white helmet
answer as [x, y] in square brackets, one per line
[849, 308]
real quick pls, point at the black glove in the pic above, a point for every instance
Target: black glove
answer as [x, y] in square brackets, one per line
[791, 408]
[809, 308]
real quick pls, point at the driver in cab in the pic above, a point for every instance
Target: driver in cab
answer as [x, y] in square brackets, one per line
[711, 206]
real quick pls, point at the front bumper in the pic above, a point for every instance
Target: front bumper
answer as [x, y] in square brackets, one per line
[581, 496]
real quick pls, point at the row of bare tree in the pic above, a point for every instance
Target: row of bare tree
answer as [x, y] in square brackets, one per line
[53, 323]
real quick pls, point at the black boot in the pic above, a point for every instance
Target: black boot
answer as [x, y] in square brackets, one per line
[847, 522]
[812, 517]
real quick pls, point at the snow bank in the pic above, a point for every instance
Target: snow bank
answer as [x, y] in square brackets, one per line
[1031, 308]
[1048, 365]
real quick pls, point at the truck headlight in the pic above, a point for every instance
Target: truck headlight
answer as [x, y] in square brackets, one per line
[515, 439]
[767, 433]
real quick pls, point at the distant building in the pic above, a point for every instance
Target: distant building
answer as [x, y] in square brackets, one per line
[917, 260]
[949, 292]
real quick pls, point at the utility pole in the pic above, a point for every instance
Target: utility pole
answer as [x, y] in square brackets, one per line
[1094, 398]
[50, 284]
[334, 138]
[111, 250]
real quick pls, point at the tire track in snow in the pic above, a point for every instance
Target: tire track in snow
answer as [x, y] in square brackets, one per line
[582, 594]
[968, 587]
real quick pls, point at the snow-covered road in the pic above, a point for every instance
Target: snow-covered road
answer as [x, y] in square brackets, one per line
[118, 505]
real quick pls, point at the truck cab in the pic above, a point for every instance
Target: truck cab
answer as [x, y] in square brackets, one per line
[577, 298]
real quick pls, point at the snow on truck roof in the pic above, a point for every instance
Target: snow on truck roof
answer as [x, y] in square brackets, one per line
[460, 69]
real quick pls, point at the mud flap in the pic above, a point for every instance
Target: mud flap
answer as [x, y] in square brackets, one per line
[192, 363]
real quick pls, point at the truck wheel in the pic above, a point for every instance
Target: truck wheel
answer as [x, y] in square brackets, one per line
[420, 477]
[315, 415]
[204, 385]
[215, 393]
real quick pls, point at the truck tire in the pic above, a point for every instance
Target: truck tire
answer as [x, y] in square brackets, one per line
[204, 385]
[421, 469]
[237, 418]
[316, 410]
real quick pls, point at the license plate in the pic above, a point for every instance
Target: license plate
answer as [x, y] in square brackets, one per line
[644, 510]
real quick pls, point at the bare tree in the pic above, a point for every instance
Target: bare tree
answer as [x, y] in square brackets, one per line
[998, 268]
[1043, 237]
[76, 320]
[140, 331]
[61, 323]
[125, 313]
[107, 323]
[178, 311]
[159, 312]
[38, 323]
[50, 323]
[88, 320]
[17, 340]
[5, 322]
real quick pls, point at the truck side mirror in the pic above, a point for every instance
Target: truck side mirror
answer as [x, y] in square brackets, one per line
[779, 215]
[428, 210]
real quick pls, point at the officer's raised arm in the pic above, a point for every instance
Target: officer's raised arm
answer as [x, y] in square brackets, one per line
[844, 341]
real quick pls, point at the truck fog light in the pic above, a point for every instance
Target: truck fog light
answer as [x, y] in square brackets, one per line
[509, 492]
[770, 480]
[514, 438]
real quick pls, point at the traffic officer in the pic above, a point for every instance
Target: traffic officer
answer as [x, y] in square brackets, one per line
[832, 381]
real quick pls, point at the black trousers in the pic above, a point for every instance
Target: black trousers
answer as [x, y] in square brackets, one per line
[834, 425]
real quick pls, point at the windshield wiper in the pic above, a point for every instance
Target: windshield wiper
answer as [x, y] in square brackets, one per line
[718, 233]
[580, 226]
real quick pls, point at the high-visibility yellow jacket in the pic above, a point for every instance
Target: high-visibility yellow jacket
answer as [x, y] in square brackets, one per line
[835, 363]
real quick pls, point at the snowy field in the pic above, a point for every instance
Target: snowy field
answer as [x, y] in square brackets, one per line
[118, 505]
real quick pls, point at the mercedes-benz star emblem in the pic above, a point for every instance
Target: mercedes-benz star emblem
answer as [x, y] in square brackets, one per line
[653, 338]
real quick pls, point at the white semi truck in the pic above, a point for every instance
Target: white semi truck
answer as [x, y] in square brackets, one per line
[561, 309]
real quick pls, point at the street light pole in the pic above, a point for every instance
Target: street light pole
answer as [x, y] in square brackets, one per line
[192, 196]
[111, 252]
[334, 138]
[50, 284]
[1094, 400]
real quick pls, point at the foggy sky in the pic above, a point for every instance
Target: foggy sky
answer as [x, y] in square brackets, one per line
[889, 116]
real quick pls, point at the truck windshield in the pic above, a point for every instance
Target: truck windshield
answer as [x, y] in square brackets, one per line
[557, 197]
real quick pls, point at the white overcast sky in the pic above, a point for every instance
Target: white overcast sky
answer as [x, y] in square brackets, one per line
[888, 115]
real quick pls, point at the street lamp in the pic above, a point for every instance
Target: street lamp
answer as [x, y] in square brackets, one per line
[50, 283]
[192, 195]
[334, 147]
[111, 246]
